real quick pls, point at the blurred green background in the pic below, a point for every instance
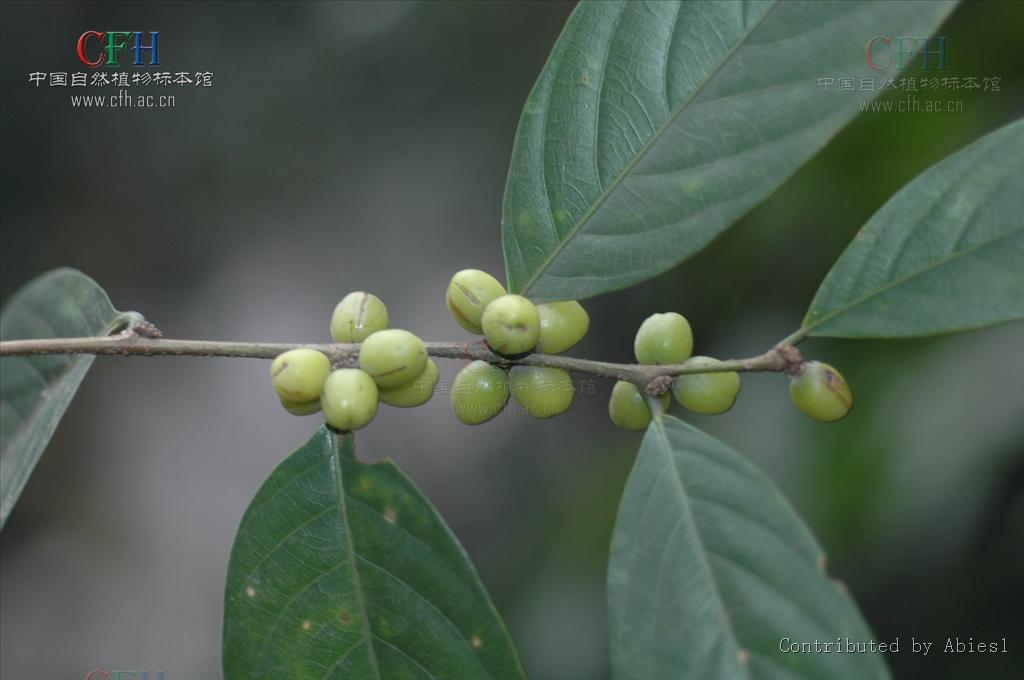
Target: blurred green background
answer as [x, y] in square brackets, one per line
[354, 146]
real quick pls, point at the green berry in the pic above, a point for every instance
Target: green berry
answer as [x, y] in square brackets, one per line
[511, 325]
[479, 392]
[301, 408]
[413, 393]
[708, 393]
[357, 316]
[821, 392]
[663, 339]
[299, 374]
[628, 408]
[562, 325]
[392, 357]
[349, 400]
[542, 391]
[469, 293]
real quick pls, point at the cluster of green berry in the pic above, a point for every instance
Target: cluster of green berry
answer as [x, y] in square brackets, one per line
[512, 326]
[668, 339]
[817, 389]
[393, 368]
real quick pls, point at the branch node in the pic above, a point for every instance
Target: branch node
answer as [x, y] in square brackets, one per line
[134, 325]
[145, 329]
[659, 385]
[342, 356]
[502, 361]
[792, 359]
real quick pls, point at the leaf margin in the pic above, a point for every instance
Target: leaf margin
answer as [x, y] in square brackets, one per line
[17, 473]
[877, 222]
[743, 656]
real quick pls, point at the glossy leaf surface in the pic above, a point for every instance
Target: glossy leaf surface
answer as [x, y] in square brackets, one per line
[655, 125]
[944, 254]
[712, 573]
[344, 570]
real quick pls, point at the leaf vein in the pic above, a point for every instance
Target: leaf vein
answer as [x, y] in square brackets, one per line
[606, 192]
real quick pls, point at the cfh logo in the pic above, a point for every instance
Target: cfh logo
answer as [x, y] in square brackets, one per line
[100, 674]
[884, 52]
[97, 48]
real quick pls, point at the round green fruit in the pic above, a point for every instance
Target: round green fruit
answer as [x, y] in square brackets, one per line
[821, 392]
[301, 408]
[418, 391]
[708, 393]
[299, 374]
[349, 400]
[469, 293]
[542, 391]
[392, 357]
[663, 339]
[511, 325]
[358, 316]
[628, 408]
[562, 325]
[479, 392]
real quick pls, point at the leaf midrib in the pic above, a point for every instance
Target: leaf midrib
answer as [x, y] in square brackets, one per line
[705, 564]
[903, 279]
[354, 558]
[607, 191]
[335, 460]
[45, 403]
[73, 364]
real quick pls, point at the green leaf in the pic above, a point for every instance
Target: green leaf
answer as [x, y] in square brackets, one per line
[711, 572]
[655, 125]
[944, 254]
[345, 570]
[35, 391]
